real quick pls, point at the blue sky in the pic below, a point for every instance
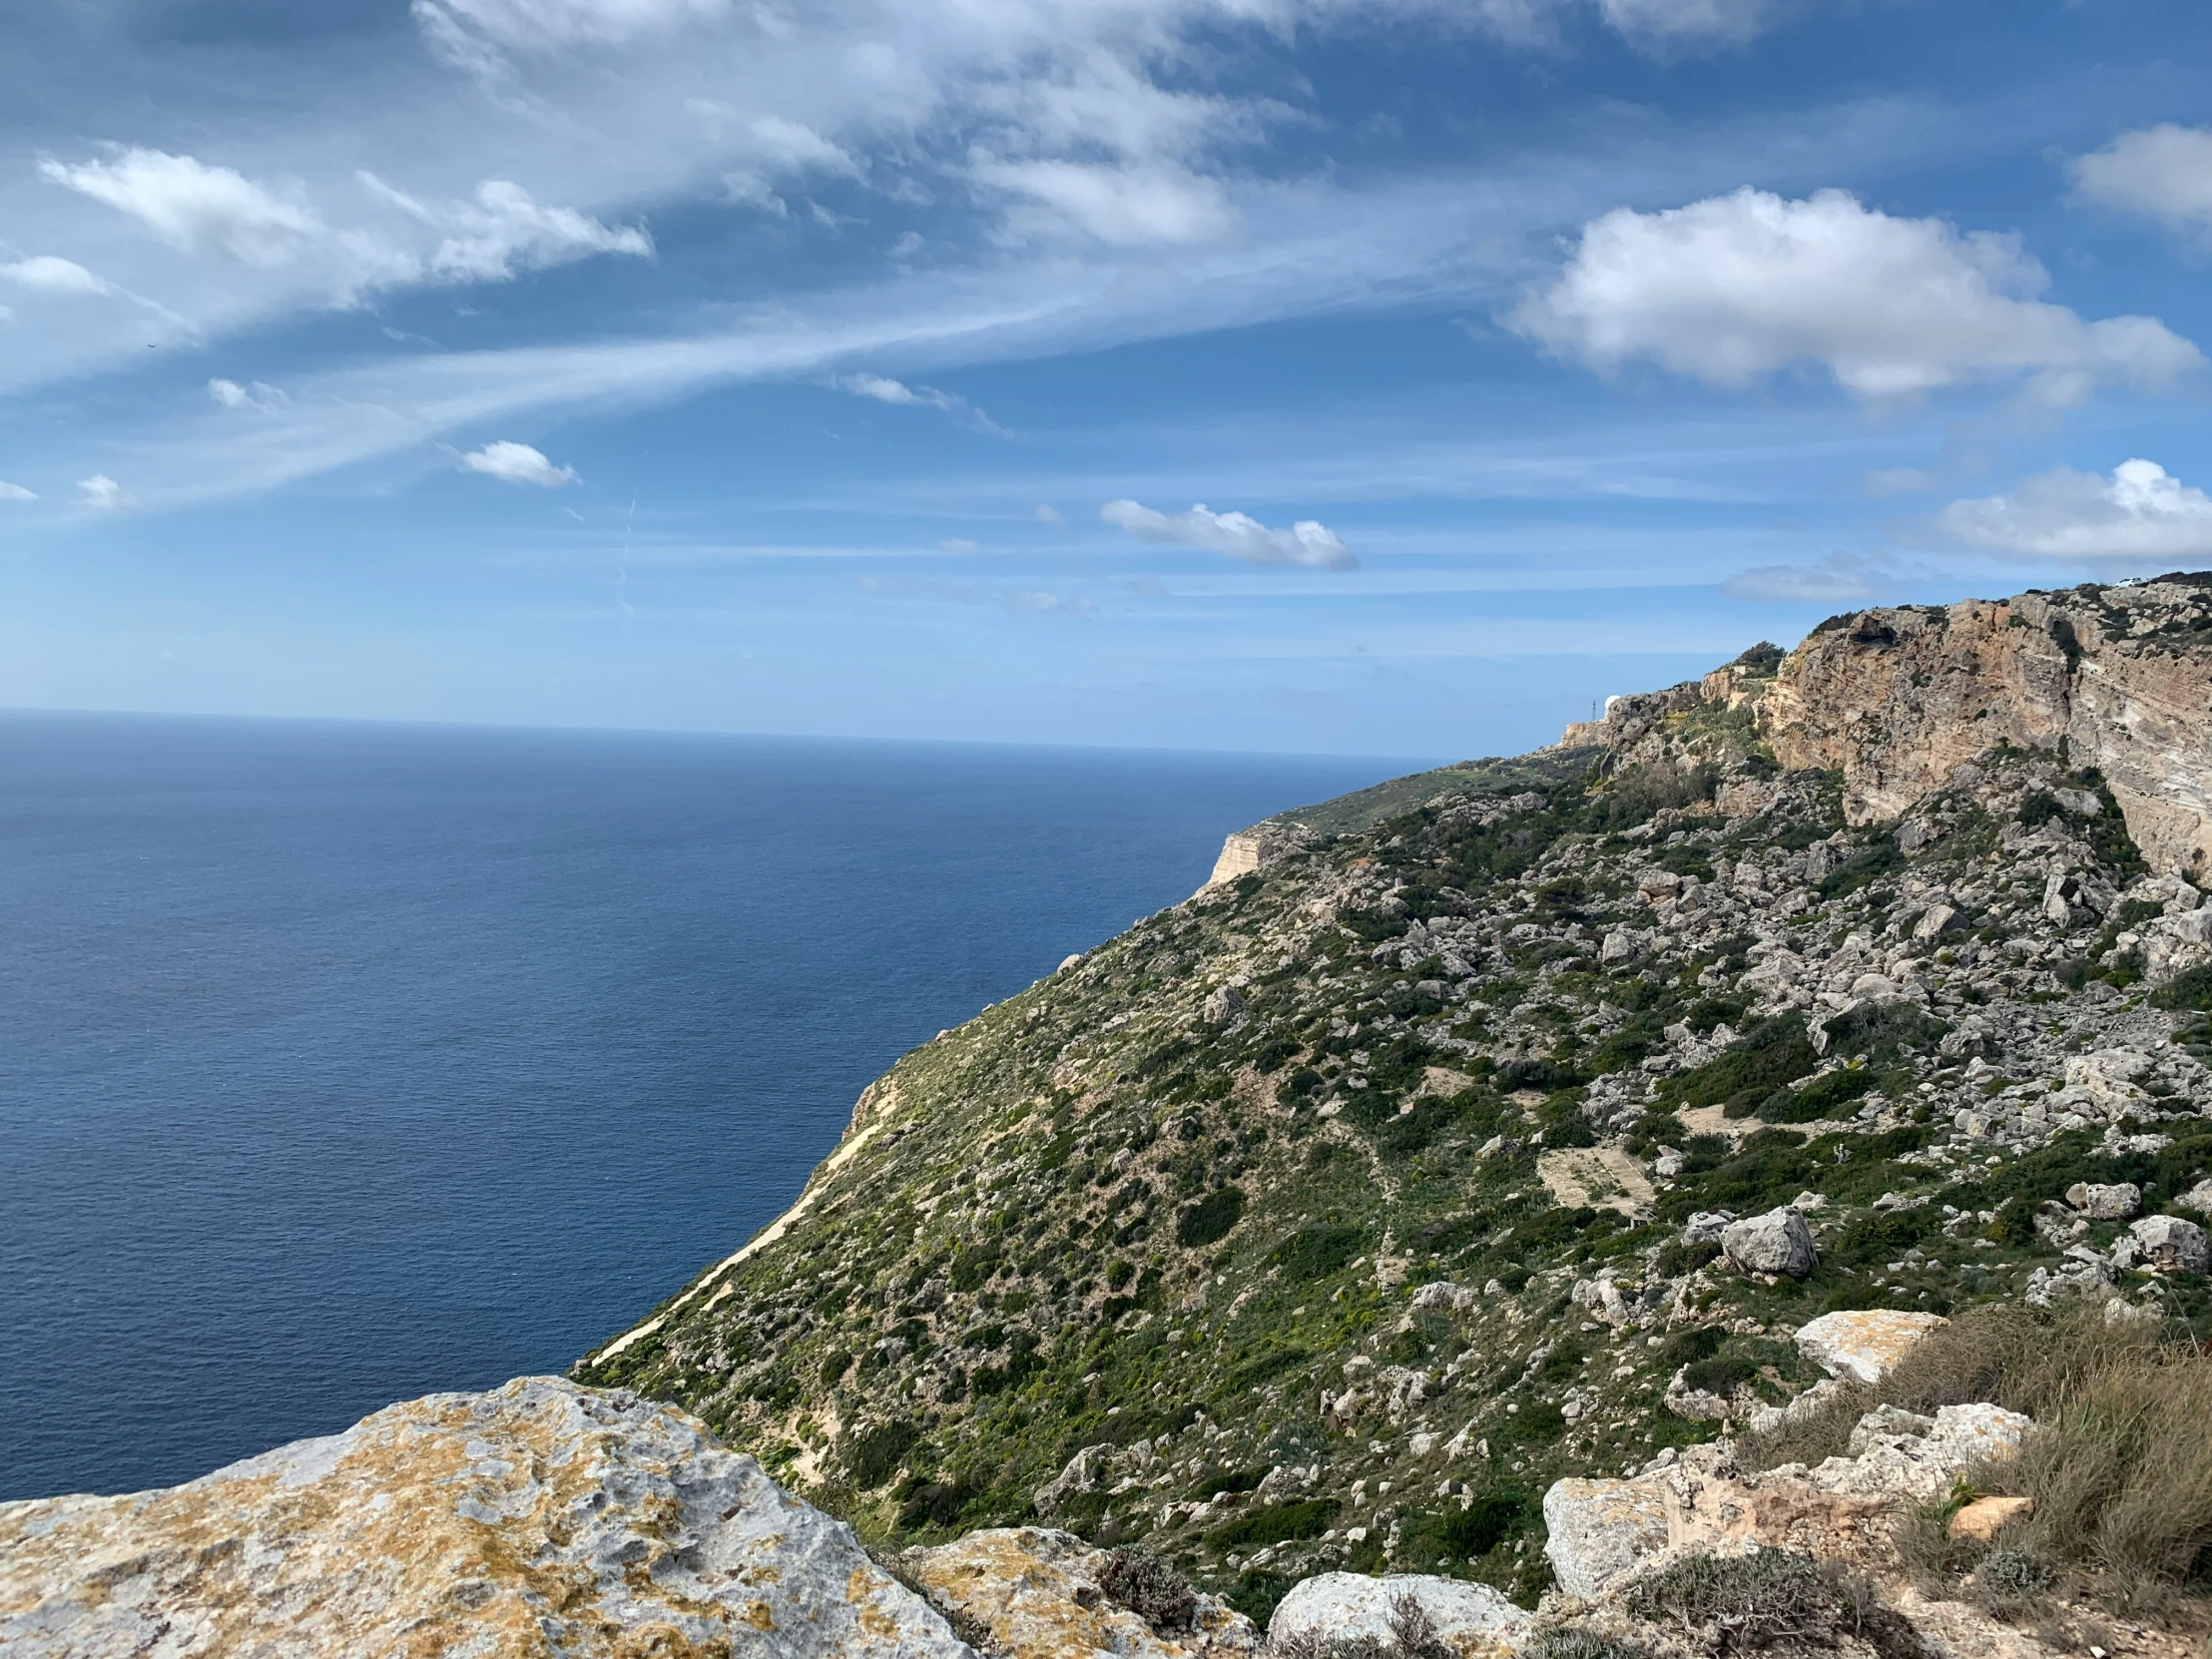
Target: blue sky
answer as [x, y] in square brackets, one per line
[1376, 377]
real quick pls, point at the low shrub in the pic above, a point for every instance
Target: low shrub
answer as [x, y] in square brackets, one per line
[1770, 1599]
[1277, 1523]
[1149, 1588]
[1210, 1219]
[872, 1455]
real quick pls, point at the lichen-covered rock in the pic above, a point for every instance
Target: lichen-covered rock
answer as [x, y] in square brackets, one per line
[1864, 1345]
[2171, 1243]
[2105, 1201]
[1045, 1595]
[1600, 1529]
[1898, 1457]
[1777, 1243]
[1473, 1620]
[538, 1518]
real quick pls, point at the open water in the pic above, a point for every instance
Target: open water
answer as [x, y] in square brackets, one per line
[344, 1064]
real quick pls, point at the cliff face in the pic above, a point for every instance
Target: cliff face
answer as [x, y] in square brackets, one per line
[1492, 1126]
[1896, 699]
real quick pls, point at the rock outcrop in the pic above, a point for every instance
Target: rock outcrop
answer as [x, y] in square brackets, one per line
[1045, 1595]
[540, 1518]
[1897, 699]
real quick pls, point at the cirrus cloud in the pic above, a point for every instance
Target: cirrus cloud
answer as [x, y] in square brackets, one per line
[2140, 512]
[1736, 288]
[16, 492]
[518, 463]
[50, 273]
[1308, 543]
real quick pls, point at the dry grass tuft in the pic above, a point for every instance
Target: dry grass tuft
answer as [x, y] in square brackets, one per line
[2120, 1468]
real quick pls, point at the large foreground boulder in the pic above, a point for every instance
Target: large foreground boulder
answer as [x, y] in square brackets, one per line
[1473, 1620]
[538, 1518]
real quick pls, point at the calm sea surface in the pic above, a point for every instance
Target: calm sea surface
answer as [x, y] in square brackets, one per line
[344, 1064]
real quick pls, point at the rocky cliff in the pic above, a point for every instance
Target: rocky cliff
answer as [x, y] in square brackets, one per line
[2115, 678]
[1496, 1126]
[1394, 1242]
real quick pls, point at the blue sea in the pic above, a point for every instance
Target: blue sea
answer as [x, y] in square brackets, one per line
[341, 1063]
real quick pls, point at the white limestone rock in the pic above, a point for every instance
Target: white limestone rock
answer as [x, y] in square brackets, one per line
[2171, 1243]
[2100, 1201]
[1864, 1345]
[540, 1517]
[1599, 1530]
[1777, 1243]
[1473, 1620]
[1046, 1595]
[1898, 1457]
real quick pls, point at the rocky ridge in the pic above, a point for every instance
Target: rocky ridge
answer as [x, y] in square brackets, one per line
[1499, 1126]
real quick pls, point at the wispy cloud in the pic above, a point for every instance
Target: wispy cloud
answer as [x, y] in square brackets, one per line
[1237, 535]
[518, 463]
[882, 389]
[1836, 579]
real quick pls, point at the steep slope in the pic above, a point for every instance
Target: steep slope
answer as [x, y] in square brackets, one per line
[1326, 1218]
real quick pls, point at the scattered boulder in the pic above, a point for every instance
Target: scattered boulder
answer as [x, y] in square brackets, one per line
[2173, 1244]
[2198, 1198]
[1442, 1298]
[1778, 1243]
[1223, 1004]
[2101, 1202]
[1980, 1519]
[1706, 1224]
[1081, 1474]
[1473, 1620]
[539, 1517]
[1601, 1530]
[1864, 1345]
[1046, 1595]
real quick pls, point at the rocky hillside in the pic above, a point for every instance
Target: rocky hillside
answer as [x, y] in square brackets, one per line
[1501, 1124]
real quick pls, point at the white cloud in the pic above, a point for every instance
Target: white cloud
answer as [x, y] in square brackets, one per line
[1668, 26]
[1047, 513]
[1048, 604]
[1737, 287]
[2142, 512]
[518, 463]
[797, 147]
[545, 25]
[52, 275]
[188, 205]
[1897, 480]
[959, 544]
[104, 494]
[883, 389]
[1125, 207]
[1838, 578]
[16, 492]
[2162, 172]
[504, 231]
[1306, 543]
[258, 395]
